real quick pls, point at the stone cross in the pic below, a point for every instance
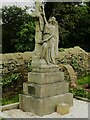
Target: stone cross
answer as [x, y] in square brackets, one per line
[46, 38]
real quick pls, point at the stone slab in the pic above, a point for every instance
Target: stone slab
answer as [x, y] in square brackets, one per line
[47, 90]
[41, 66]
[46, 69]
[10, 106]
[44, 78]
[63, 109]
[43, 106]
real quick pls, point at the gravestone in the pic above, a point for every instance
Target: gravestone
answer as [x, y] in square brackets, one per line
[46, 87]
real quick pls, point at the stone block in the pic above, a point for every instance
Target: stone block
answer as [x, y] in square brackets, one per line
[25, 88]
[47, 90]
[45, 69]
[43, 106]
[10, 106]
[41, 65]
[44, 78]
[68, 99]
[63, 109]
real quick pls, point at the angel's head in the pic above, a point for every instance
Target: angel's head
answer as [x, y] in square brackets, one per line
[52, 20]
[38, 0]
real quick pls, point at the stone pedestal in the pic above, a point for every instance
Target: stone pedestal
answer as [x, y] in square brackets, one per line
[44, 91]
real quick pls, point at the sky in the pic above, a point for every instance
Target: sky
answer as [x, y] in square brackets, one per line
[21, 3]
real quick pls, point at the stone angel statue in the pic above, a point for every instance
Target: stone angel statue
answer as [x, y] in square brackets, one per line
[46, 37]
[50, 41]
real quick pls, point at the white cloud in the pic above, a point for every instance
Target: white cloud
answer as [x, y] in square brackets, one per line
[21, 3]
[16, 0]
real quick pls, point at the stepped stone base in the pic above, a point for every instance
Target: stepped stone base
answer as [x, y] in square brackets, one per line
[46, 90]
[46, 105]
[45, 78]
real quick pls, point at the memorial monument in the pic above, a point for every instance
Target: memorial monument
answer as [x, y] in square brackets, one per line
[46, 87]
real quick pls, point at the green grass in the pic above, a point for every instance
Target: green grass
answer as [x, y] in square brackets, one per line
[9, 100]
[84, 80]
[1, 118]
[79, 91]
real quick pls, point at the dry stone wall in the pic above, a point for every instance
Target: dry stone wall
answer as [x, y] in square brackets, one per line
[77, 58]
[13, 71]
[13, 63]
[19, 62]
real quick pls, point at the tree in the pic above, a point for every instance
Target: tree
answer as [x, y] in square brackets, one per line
[17, 30]
[74, 23]
[26, 36]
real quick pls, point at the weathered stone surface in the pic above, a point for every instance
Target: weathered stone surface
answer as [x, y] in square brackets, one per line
[44, 78]
[25, 88]
[71, 72]
[43, 106]
[69, 99]
[47, 90]
[63, 109]
[10, 106]
[46, 36]
[46, 69]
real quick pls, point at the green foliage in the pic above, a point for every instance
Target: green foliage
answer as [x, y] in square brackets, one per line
[60, 49]
[64, 61]
[80, 92]
[84, 80]
[74, 23]
[77, 91]
[12, 85]
[76, 62]
[9, 100]
[30, 66]
[17, 30]
[1, 118]
[77, 66]
[25, 41]
[10, 78]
